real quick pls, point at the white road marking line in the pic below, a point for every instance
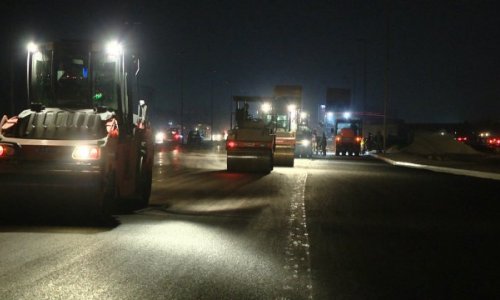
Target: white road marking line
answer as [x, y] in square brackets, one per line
[298, 282]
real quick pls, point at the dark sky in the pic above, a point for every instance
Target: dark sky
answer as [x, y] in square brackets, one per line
[444, 55]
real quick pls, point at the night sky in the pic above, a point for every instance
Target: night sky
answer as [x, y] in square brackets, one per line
[444, 55]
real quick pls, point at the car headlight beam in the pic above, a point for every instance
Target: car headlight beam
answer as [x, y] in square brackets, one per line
[86, 153]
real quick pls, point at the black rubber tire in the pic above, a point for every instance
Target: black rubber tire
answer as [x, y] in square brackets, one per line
[230, 166]
[145, 182]
[271, 163]
[106, 199]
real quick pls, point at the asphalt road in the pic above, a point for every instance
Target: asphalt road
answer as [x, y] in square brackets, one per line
[335, 228]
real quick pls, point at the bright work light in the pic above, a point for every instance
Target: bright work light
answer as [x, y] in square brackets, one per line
[266, 107]
[86, 153]
[114, 48]
[32, 47]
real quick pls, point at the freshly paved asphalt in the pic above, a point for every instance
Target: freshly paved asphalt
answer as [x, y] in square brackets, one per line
[330, 228]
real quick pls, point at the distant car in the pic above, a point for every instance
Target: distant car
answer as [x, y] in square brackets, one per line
[462, 139]
[160, 137]
[194, 138]
[174, 136]
[464, 136]
[169, 136]
[493, 142]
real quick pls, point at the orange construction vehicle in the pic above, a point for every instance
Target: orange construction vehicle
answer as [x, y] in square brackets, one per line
[347, 137]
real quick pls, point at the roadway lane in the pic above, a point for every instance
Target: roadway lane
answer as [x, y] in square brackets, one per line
[341, 228]
[379, 231]
[208, 235]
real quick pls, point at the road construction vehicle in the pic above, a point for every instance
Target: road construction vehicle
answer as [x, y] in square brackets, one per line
[347, 136]
[286, 104]
[304, 145]
[304, 137]
[79, 135]
[250, 144]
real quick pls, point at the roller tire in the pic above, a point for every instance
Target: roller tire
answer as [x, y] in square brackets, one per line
[145, 181]
[107, 197]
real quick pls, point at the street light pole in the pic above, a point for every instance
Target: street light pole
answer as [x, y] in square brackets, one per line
[182, 105]
[363, 45]
[230, 104]
[212, 106]
[212, 109]
[387, 64]
[181, 75]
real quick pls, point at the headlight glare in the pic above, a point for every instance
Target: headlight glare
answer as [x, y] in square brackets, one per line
[86, 153]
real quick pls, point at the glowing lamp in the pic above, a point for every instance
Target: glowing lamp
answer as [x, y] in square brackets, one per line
[266, 107]
[114, 48]
[32, 47]
[6, 150]
[86, 153]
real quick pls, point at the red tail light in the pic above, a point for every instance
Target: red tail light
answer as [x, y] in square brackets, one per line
[231, 144]
[494, 141]
[337, 139]
[6, 150]
[358, 139]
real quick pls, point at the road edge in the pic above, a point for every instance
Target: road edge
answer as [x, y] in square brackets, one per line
[454, 171]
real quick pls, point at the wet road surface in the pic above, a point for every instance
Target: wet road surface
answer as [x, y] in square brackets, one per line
[335, 228]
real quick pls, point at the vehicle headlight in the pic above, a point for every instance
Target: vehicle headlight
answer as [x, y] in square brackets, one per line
[305, 143]
[86, 153]
[159, 137]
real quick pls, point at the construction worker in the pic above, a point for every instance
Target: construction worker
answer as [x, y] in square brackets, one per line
[323, 144]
